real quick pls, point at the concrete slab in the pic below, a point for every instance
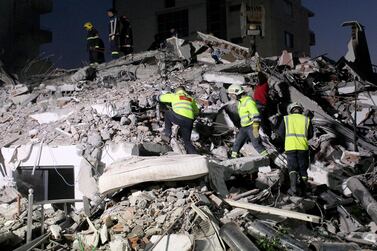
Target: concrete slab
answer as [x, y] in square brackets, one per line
[172, 242]
[49, 117]
[223, 77]
[245, 164]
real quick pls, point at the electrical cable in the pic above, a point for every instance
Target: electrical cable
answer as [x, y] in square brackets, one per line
[56, 170]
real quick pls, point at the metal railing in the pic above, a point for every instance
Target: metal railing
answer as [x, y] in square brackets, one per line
[31, 203]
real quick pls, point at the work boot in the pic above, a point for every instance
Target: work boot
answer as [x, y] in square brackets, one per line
[304, 185]
[165, 138]
[293, 181]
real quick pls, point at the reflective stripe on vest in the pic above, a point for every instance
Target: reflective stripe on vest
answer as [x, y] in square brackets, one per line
[296, 132]
[182, 105]
[91, 38]
[248, 111]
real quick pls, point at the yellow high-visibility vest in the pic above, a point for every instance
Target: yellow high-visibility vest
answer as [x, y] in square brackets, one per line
[182, 104]
[296, 132]
[248, 111]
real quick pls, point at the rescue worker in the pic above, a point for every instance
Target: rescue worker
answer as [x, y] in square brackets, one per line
[183, 113]
[296, 130]
[126, 36]
[261, 98]
[250, 121]
[114, 33]
[95, 45]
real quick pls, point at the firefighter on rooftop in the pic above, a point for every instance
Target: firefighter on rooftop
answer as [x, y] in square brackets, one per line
[114, 33]
[296, 129]
[250, 121]
[183, 113]
[95, 45]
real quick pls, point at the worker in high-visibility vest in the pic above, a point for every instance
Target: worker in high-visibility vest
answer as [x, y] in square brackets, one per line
[183, 113]
[250, 121]
[296, 129]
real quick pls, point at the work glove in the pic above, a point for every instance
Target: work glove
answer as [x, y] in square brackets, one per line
[255, 126]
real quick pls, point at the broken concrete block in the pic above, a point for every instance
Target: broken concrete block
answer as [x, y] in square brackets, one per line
[135, 170]
[172, 242]
[55, 231]
[87, 184]
[49, 117]
[24, 99]
[106, 109]
[94, 139]
[104, 234]
[286, 58]
[20, 90]
[350, 158]
[244, 165]
[119, 244]
[361, 193]
[79, 75]
[223, 77]
[67, 88]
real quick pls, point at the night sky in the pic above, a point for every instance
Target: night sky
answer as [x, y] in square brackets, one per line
[69, 38]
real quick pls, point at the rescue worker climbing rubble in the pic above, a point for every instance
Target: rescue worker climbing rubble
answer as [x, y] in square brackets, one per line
[183, 113]
[95, 45]
[114, 33]
[250, 121]
[296, 129]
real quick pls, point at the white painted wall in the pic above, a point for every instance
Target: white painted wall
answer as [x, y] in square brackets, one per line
[59, 156]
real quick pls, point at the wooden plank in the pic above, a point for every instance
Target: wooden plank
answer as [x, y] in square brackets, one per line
[274, 211]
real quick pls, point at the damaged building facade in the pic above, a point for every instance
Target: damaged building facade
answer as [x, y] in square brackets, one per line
[20, 32]
[83, 165]
[284, 24]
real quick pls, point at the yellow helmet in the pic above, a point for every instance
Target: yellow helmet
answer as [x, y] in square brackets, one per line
[88, 26]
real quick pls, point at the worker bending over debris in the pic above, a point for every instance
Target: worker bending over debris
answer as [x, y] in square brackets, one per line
[250, 120]
[183, 114]
[95, 45]
[296, 130]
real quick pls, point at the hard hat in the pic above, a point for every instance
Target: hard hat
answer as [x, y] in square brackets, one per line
[180, 89]
[235, 89]
[293, 106]
[88, 25]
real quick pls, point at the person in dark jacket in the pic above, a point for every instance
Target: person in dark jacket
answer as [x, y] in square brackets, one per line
[114, 33]
[126, 36]
[95, 45]
[296, 129]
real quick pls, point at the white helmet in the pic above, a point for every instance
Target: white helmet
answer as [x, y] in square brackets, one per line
[293, 106]
[235, 89]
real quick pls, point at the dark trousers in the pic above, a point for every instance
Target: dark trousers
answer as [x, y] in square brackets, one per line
[126, 50]
[244, 134]
[185, 129]
[114, 47]
[96, 57]
[265, 123]
[298, 161]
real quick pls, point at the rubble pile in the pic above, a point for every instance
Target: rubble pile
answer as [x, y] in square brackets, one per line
[141, 203]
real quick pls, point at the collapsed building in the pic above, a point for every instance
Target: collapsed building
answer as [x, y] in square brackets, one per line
[83, 165]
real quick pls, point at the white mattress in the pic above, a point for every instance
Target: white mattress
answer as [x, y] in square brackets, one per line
[136, 170]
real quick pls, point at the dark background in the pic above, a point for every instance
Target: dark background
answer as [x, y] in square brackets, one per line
[69, 38]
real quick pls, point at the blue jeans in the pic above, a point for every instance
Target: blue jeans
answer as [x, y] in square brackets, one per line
[244, 134]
